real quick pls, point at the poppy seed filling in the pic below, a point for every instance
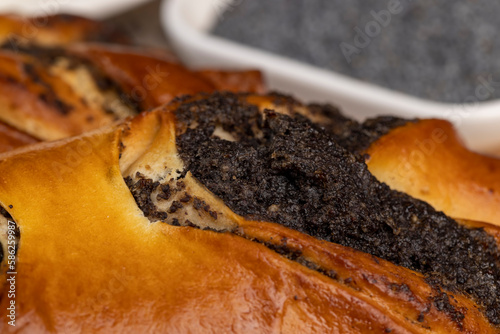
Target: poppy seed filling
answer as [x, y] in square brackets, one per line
[292, 172]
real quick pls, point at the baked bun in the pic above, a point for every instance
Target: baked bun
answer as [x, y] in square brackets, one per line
[219, 214]
[63, 75]
[50, 93]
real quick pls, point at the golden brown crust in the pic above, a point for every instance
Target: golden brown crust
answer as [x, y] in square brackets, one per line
[427, 160]
[398, 292]
[56, 30]
[150, 81]
[89, 260]
[41, 103]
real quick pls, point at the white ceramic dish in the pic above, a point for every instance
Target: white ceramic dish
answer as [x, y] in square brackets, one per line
[188, 22]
